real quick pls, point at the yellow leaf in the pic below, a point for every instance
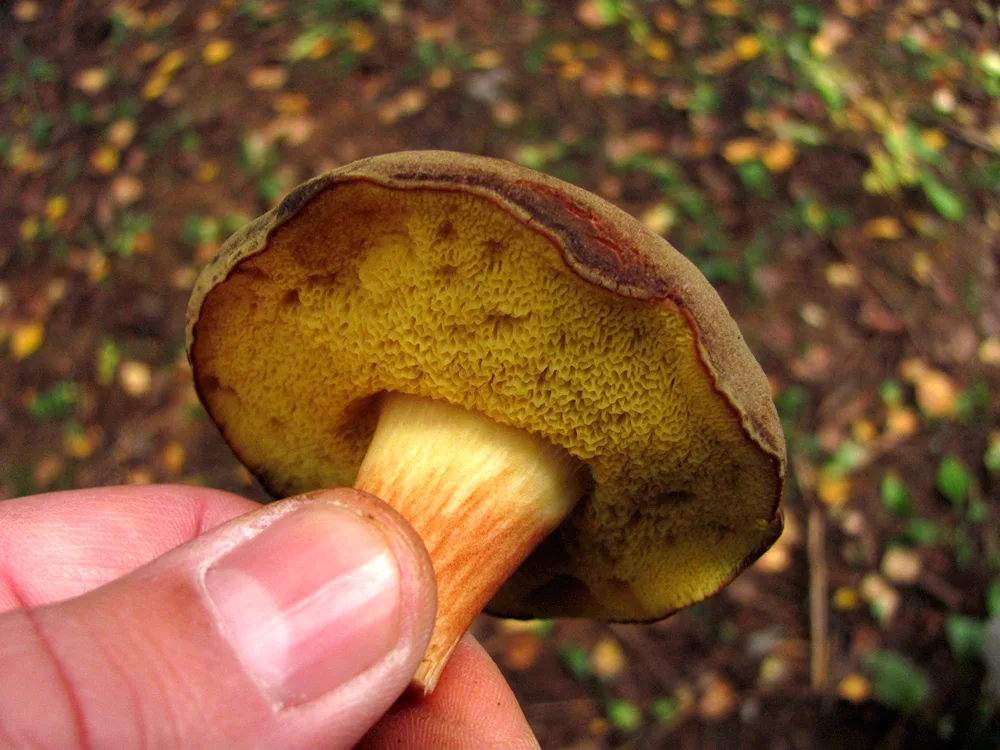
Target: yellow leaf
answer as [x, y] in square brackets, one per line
[91, 81]
[29, 228]
[883, 228]
[748, 47]
[607, 659]
[26, 339]
[659, 49]
[55, 208]
[741, 150]
[487, 59]
[846, 598]
[561, 52]
[361, 38]
[217, 51]
[267, 78]
[25, 11]
[572, 70]
[170, 62]
[135, 377]
[922, 268]
[172, 457]
[934, 138]
[440, 78]
[207, 171]
[901, 423]
[291, 104]
[854, 688]
[863, 430]
[843, 276]
[936, 394]
[121, 133]
[155, 86]
[724, 8]
[779, 156]
[989, 351]
[833, 489]
[104, 160]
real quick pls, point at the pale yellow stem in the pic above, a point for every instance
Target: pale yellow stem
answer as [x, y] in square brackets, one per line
[481, 495]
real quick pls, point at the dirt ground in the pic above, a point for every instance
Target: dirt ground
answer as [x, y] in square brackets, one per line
[833, 168]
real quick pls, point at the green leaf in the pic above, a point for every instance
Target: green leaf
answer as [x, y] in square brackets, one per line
[954, 480]
[107, 359]
[623, 715]
[991, 459]
[922, 531]
[848, 457]
[57, 402]
[965, 636]
[754, 175]
[303, 45]
[576, 661]
[896, 681]
[665, 710]
[993, 598]
[944, 200]
[891, 392]
[895, 496]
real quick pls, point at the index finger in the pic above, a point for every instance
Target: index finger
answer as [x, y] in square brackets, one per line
[63, 544]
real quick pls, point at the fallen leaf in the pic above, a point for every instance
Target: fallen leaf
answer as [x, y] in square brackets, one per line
[843, 276]
[104, 160]
[91, 81]
[267, 78]
[440, 78]
[521, 652]
[748, 47]
[28, 229]
[55, 208]
[607, 660]
[846, 599]
[833, 489]
[854, 688]
[659, 49]
[126, 189]
[26, 339]
[121, 133]
[135, 377]
[936, 394]
[718, 698]
[741, 150]
[989, 351]
[217, 51]
[173, 457]
[487, 59]
[901, 565]
[883, 228]
[779, 156]
[25, 11]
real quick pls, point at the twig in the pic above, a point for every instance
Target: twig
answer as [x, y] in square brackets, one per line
[819, 614]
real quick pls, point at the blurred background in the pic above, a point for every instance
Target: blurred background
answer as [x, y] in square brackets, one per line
[832, 167]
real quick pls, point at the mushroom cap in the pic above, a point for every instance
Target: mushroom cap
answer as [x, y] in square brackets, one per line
[493, 287]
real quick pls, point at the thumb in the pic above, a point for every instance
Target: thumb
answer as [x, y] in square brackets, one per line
[294, 626]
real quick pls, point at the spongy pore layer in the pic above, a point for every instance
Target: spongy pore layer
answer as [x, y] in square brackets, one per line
[447, 295]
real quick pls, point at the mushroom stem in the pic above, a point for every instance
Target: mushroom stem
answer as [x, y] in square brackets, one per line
[481, 495]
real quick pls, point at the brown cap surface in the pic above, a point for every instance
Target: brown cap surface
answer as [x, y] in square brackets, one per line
[505, 291]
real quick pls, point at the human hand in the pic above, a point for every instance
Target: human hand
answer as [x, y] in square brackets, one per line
[170, 616]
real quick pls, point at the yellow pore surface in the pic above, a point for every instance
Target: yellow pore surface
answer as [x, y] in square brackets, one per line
[446, 295]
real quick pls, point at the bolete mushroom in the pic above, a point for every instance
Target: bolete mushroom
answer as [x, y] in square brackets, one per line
[554, 397]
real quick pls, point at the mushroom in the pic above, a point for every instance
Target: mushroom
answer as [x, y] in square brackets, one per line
[553, 396]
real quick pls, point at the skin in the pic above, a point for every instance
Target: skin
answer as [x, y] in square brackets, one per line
[84, 664]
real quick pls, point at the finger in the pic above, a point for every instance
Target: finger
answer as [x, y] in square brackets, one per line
[472, 708]
[294, 626]
[64, 544]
